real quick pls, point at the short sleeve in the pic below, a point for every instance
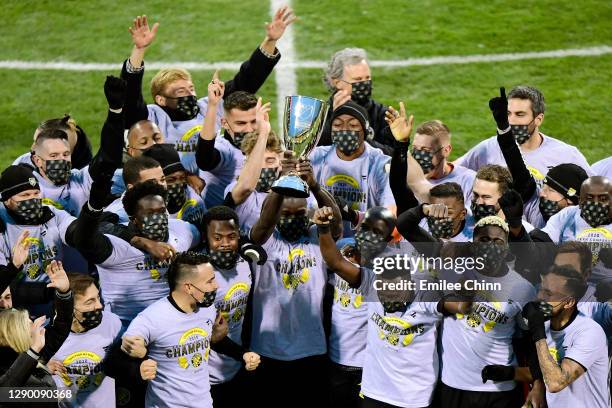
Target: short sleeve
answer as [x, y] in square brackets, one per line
[367, 281]
[588, 345]
[141, 326]
[63, 222]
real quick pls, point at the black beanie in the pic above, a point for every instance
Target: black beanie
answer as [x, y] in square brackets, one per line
[167, 156]
[357, 111]
[16, 179]
[566, 179]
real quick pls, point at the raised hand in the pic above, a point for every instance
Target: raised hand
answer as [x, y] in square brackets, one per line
[341, 97]
[216, 88]
[304, 170]
[499, 108]
[435, 210]
[262, 117]
[323, 216]
[283, 17]
[57, 274]
[142, 35]
[21, 250]
[536, 313]
[37, 334]
[115, 90]
[399, 123]
[251, 360]
[511, 205]
[288, 163]
[148, 370]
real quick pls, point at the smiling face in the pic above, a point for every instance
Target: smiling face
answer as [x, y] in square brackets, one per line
[223, 235]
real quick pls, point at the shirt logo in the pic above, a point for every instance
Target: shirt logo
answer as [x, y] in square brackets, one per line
[192, 349]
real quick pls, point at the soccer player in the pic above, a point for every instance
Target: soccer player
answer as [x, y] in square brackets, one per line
[541, 152]
[132, 279]
[350, 169]
[572, 349]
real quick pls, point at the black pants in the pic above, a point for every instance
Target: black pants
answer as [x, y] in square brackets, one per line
[372, 403]
[287, 383]
[449, 397]
[344, 386]
[233, 393]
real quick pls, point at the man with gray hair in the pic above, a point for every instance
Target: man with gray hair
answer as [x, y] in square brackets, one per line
[541, 152]
[348, 77]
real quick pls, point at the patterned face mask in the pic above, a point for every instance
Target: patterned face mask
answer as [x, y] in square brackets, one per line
[267, 177]
[347, 141]
[595, 213]
[482, 210]
[424, 158]
[91, 319]
[223, 259]
[209, 298]
[361, 91]
[238, 138]
[392, 307]
[293, 227]
[177, 195]
[521, 132]
[187, 106]
[30, 211]
[369, 243]
[493, 254]
[548, 208]
[58, 171]
[440, 227]
[155, 227]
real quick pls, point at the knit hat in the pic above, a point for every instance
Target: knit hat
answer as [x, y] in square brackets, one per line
[167, 156]
[16, 179]
[357, 111]
[566, 179]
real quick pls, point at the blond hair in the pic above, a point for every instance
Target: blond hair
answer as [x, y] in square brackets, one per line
[436, 129]
[165, 77]
[15, 329]
[492, 220]
[273, 144]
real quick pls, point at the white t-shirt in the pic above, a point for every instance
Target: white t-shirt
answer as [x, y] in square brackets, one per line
[69, 197]
[462, 176]
[603, 167]
[228, 170]
[584, 342]
[180, 344]
[83, 356]
[550, 153]
[484, 336]
[231, 301]
[288, 299]
[568, 225]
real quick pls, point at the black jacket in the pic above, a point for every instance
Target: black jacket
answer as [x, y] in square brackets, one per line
[382, 138]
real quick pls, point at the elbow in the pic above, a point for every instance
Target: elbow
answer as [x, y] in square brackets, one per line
[555, 387]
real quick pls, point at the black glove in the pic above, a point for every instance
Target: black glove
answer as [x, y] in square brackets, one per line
[499, 108]
[115, 90]
[251, 252]
[511, 204]
[536, 313]
[99, 193]
[348, 214]
[497, 373]
[605, 255]
[603, 292]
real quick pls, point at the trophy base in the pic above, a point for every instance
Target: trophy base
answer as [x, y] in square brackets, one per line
[291, 186]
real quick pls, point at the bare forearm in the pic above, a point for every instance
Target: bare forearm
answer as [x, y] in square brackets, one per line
[555, 377]
[325, 199]
[137, 56]
[270, 214]
[417, 181]
[335, 261]
[249, 175]
[208, 127]
[268, 46]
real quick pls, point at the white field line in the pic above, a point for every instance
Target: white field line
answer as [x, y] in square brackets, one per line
[286, 78]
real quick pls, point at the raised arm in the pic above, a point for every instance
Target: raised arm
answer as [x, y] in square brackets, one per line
[254, 71]
[270, 214]
[207, 156]
[523, 181]
[249, 175]
[133, 70]
[331, 255]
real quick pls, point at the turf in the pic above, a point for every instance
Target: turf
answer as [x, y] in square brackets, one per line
[576, 89]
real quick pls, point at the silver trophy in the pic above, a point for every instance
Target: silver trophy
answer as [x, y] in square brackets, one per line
[303, 122]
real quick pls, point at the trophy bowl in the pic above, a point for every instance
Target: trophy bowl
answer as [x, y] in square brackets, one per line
[303, 121]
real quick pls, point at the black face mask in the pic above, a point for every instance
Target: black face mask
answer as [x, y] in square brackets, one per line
[440, 228]
[267, 177]
[369, 243]
[480, 211]
[91, 319]
[595, 213]
[347, 141]
[292, 228]
[223, 259]
[177, 195]
[209, 298]
[186, 108]
[29, 211]
[393, 307]
[424, 158]
[521, 133]
[155, 227]
[362, 91]
[493, 254]
[548, 208]
[58, 171]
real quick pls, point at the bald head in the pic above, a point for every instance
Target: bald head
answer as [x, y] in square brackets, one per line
[596, 188]
[141, 136]
[380, 220]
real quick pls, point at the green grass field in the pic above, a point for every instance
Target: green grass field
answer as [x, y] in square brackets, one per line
[577, 89]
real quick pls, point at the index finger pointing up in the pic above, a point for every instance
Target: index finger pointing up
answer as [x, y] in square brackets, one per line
[215, 76]
[502, 92]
